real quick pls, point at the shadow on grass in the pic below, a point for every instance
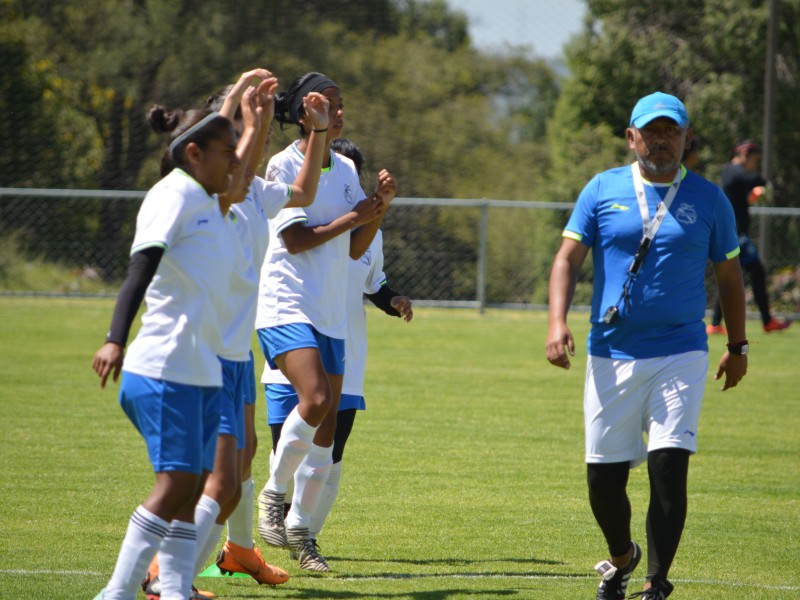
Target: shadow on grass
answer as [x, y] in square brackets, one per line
[443, 561]
[428, 595]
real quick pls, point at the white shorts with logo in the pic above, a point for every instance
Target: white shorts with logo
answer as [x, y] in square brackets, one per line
[625, 399]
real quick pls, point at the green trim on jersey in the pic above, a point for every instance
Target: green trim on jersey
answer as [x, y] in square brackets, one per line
[324, 169]
[330, 168]
[734, 253]
[149, 245]
[572, 235]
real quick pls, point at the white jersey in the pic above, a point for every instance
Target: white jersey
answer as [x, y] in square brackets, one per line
[181, 333]
[311, 286]
[365, 276]
[249, 221]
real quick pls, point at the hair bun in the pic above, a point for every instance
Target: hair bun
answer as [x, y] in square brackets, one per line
[163, 119]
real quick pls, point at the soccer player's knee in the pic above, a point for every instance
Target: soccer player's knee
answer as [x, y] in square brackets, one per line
[319, 402]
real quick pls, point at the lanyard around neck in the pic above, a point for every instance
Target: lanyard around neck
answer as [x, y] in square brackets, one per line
[650, 228]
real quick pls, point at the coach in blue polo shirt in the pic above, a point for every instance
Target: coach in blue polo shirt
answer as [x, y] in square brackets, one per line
[651, 227]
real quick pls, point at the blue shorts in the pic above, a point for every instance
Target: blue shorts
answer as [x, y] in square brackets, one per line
[234, 391]
[178, 422]
[281, 400]
[278, 340]
[250, 390]
[748, 253]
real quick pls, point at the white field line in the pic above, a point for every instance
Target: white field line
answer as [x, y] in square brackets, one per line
[45, 572]
[398, 576]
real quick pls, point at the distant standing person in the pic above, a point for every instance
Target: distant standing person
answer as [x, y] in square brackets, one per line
[743, 184]
[648, 350]
[171, 377]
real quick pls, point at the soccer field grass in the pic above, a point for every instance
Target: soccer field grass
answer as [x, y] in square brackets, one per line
[463, 479]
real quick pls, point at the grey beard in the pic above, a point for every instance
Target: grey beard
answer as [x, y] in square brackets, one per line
[648, 166]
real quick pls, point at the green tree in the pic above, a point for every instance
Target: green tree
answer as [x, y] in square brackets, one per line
[710, 53]
[448, 120]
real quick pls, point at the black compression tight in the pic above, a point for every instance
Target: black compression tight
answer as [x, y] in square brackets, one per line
[666, 515]
[344, 425]
[610, 504]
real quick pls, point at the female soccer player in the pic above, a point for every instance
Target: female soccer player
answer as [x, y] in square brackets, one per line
[251, 110]
[365, 277]
[300, 319]
[171, 376]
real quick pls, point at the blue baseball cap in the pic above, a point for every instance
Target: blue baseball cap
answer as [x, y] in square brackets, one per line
[657, 105]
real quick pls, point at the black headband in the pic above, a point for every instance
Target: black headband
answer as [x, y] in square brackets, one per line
[315, 83]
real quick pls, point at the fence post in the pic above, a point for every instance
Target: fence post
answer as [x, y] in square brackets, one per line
[482, 244]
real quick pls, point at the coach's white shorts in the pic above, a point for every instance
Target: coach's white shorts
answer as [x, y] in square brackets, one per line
[624, 399]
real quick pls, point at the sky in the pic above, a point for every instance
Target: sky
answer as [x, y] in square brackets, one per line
[543, 25]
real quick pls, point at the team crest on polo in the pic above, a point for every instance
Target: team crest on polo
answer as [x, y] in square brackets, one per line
[686, 214]
[348, 193]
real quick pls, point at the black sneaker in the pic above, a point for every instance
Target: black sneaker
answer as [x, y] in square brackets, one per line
[659, 590]
[615, 580]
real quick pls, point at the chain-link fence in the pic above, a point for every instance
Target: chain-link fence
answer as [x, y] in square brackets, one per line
[445, 252]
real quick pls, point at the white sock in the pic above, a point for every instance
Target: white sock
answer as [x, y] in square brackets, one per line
[326, 501]
[205, 517]
[293, 445]
[142, 540]
[208, 548]
[309, 481]
[240, 523]
[176, 559]
[289, 484]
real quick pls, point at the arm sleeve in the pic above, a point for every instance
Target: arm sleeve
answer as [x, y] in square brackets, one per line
[141, 270]
[382, 299]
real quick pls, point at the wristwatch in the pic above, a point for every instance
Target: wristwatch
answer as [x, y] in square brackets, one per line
[740, 348]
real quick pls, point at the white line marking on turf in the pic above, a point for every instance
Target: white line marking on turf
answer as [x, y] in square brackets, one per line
[739, 584]
[45, 572]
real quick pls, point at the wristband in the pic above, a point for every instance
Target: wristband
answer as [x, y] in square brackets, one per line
[320, 130]
[740, 348]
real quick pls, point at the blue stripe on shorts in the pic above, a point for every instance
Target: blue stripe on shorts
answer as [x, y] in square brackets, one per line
[178, 422]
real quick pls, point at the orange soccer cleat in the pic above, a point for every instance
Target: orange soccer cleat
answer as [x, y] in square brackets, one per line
[776, 325]
[236, 559]
[716, 329]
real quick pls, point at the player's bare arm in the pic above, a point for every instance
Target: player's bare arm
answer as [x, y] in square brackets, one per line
[560, 344]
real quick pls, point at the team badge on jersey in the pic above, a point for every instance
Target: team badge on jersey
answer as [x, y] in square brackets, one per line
[366, 258]
[686, 214]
